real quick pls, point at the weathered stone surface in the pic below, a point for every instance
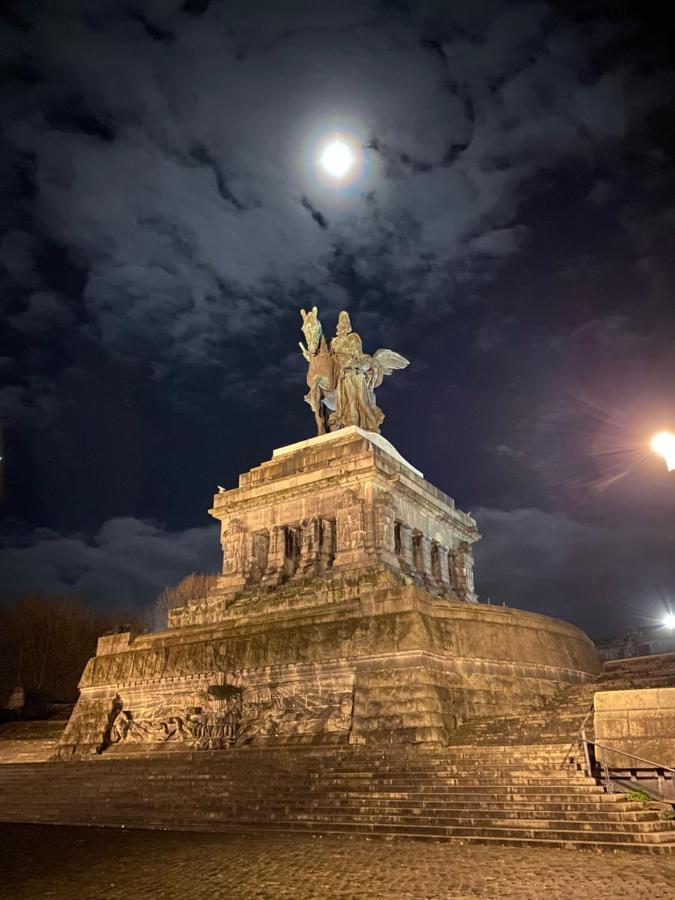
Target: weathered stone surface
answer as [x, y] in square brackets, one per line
[345, 613]
[338, 503]
[640, 722]
[88, 730]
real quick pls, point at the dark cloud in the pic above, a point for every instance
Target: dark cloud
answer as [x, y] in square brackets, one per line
[163, 221]
[603, 577]
[172, 154]
[127, 563]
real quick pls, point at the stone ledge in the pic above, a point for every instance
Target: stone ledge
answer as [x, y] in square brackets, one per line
[376, 439]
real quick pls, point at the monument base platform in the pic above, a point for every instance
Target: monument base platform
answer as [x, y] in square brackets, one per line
[345, 614]
[375, 660]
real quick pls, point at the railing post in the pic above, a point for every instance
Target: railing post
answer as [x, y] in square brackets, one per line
[609, 787]
[587, 757]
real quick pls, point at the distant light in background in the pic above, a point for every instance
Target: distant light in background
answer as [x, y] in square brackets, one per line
[337, 158]
[664, 445]
[669, 620]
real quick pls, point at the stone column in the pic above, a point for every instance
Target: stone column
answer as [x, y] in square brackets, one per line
[406, 548]
[237, 550]
[468, 569]
[439, 566]
[422, 555]
[385, 541]
[292, 549]
[276, 556]
[327, 545]
[258, 561]
[461, 572]
[310, 546]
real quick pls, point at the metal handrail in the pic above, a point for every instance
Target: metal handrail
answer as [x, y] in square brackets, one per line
[606, 777]
[591, 764]
[650, 763]
[576, 742]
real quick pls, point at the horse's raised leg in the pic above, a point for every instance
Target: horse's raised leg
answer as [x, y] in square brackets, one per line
[313, 398]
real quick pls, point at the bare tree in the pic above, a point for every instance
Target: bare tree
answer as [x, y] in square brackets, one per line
[46, 641]
[192, 588]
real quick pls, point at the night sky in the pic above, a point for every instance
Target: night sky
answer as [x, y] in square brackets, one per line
[510, 230]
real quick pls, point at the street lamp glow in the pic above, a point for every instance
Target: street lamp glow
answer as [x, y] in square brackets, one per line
[669, 620]
[337, 158]
[664, 444]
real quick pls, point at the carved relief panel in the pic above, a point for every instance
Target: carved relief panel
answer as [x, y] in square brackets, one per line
[293, 710]
[351, 546]
[207, 721]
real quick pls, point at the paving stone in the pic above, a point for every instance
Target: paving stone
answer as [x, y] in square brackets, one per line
[62, 863]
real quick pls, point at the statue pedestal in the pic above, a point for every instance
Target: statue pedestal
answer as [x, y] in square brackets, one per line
[350, 498]
[345, 613]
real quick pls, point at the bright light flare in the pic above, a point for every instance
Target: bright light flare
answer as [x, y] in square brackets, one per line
[669, 621]
[664, 444]
[337, 158]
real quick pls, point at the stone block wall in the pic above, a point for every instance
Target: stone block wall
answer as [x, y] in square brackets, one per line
[88, 729]
[382, 662]
[403, 704]
[640, 722]
[345, 613]
[338, 503]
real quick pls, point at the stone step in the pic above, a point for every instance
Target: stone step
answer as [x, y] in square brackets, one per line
[580, 807]
[450, 774]
[279, 809]
[31, 730]
[138, 813]
[529, 794]
[26, 751]
[541, 785]
[163, 819]
[500, 840]
[256, 797]
[650, 828]
[505, 792]
[490, 812]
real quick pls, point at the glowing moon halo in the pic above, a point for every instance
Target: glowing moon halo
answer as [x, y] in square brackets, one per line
[664, 444]
[337, 158]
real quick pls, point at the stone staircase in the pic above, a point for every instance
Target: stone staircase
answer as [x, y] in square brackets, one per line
[29, 741]
[560, 719]
[514, 781]
[519, 795]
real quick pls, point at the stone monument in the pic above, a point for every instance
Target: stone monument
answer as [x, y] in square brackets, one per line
[345, 611]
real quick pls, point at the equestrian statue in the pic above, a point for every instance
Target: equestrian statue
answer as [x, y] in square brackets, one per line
[342, 378]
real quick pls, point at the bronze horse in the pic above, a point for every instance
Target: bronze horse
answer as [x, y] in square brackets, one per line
[320, 371]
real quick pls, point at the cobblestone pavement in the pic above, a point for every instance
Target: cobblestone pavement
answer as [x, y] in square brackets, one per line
[79, 864]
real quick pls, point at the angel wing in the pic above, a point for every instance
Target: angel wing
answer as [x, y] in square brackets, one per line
[390, 361]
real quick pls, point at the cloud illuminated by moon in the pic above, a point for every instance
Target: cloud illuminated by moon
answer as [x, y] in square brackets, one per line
[337, 158]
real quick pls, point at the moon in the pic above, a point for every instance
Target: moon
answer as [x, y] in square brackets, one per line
[337, 158]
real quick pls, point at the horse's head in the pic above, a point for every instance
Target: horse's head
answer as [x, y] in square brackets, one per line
[311, 328]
